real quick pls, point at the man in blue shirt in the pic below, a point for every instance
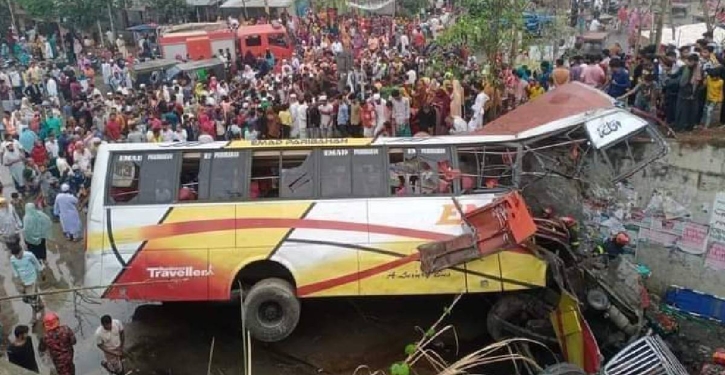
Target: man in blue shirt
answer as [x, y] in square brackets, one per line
[620, 81]
[26, 268]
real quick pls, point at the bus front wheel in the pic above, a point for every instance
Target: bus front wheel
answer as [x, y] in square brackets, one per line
[272, 310]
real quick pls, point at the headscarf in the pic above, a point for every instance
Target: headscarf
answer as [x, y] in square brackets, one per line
[51, 321]
[36, 224]
[64, 188]
[9, 221]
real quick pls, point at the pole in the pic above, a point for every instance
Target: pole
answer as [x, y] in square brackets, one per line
[12, 15]
[110, 18]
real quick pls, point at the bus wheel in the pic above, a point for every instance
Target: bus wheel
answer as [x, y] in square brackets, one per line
[272, 310]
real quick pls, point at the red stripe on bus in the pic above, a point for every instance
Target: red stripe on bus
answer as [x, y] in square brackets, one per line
[357, 276]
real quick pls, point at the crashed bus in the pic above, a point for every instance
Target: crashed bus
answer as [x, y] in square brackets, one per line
[281, 220]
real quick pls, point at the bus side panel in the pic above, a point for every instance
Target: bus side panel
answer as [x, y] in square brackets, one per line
[324, 248]
[140, 247]
[397, 226]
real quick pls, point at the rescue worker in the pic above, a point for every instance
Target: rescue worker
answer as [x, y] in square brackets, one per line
[614, 246]
[573, 227]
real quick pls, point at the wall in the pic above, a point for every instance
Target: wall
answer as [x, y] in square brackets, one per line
[667, 210]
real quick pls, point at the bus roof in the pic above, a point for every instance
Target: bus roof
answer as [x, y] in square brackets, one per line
[314, 143]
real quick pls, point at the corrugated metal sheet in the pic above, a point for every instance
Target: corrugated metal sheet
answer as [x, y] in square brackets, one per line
[257, 3]
[202, 3]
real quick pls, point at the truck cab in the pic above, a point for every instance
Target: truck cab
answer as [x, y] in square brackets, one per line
[258, 38]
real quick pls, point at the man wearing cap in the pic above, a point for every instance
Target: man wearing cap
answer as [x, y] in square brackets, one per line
[65, 207]
[58, 341]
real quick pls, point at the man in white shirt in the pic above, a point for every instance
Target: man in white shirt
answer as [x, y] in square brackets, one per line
[478, 110]
[51, 146]
[325, 109]
[52, 87]
[302, 118]
[336, 47]
[110, 339]
[379, 104]
[401, 114]
[293, 109]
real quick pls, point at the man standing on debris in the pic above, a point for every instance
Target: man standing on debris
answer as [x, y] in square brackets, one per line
[110, 339]
[614, 247]
[58, 342]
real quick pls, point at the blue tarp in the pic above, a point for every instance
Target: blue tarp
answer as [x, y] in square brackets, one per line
[696, 303]
[144, 27]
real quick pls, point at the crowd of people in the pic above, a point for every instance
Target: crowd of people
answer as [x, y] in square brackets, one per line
[398, 84]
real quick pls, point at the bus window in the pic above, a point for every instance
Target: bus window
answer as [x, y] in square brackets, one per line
[368, 175]
[297, 173]
[229, 169]
[420, 171]
[158, 178]
[434, 162]
[125, 170]
[486, 168]
[282, 174]
[264, 182]
[335, 173]
[192, 179]
[277, 40]
[403, 171]
[253, 41]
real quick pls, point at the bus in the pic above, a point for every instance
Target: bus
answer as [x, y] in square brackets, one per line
[280, 220]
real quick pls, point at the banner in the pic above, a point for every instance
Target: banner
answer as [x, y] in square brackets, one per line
[717, 219]
[694, 238]
[715, 258]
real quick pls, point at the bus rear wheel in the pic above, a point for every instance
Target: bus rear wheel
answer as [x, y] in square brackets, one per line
[272, 310]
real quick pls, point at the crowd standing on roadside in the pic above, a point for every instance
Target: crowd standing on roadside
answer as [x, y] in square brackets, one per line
[62, 98]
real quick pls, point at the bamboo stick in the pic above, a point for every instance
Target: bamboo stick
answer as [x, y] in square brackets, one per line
[78, 289]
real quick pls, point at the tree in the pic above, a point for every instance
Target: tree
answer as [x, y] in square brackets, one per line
[75, 14]
[170, 11]
[494, 28]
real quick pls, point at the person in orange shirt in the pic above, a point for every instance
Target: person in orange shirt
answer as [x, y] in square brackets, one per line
[560, 75]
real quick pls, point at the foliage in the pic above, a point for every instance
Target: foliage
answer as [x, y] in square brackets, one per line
[169, 11]
[78, 14]
[492, 27]
[500, 352]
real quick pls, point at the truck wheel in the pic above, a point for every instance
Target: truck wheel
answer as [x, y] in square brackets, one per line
[272, 310]
[563, 369]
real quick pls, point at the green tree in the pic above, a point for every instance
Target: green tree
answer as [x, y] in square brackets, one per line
[492, 28]
[76, 14]
[170, 11]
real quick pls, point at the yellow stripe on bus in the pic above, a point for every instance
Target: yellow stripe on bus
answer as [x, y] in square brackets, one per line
[287, 143]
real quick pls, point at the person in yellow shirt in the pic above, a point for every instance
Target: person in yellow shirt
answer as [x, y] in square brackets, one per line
[285, 118]
[713, 103]
[535, 89]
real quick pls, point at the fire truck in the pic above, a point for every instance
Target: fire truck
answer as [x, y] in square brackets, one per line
[199, 41]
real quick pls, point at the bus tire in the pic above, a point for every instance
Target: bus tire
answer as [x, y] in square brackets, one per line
[272, 310]
[563, 369]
